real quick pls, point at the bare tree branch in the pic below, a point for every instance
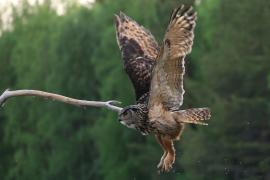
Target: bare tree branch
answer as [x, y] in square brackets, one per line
[77, 102]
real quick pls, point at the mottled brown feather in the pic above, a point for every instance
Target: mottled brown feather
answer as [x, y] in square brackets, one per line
[139, 50]
[167, 78]
[193, 116]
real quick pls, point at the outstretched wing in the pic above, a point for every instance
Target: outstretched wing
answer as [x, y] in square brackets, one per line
[139, 51]
[167, 81]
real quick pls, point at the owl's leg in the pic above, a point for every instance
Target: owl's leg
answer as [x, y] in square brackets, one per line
[160, 164]
[170, 157]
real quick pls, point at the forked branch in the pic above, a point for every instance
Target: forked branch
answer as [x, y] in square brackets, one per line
[56, 97]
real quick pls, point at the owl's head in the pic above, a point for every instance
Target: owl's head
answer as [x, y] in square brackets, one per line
[128, 116]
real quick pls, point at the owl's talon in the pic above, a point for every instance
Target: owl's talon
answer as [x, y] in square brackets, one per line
[167, 163]
[163, 167]
[160, 164]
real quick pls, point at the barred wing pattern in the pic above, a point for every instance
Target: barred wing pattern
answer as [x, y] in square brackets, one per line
[167, 78]
[139, 50]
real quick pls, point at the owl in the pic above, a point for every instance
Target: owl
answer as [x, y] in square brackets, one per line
[157, 73]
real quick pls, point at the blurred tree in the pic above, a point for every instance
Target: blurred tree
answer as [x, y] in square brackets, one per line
[7, 80]
[51, 140]
[76, 54]
[236, 144]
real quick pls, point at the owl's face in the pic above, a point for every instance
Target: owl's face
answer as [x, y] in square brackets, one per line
[128, 116]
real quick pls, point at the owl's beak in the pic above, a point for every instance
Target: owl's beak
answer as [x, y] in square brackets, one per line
[122, 122]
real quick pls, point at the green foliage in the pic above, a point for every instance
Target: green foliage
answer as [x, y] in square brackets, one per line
[236, 144]
[76, 55]
[45, 136]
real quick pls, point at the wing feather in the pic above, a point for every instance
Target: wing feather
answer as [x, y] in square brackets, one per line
[139, 50]
[168, 73]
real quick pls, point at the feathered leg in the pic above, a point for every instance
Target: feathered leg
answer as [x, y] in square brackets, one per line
[170, 157]
[193, 116]
[160, 164]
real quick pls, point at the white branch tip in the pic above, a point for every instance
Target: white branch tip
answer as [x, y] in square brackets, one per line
[111, 105]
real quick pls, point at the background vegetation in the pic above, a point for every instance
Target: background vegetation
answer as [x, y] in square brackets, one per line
[76, 54]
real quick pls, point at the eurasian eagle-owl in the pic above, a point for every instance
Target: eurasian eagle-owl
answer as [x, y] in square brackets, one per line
[157, 74]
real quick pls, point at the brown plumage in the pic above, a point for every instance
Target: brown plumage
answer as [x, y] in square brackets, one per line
[139, 50]
[158, 110]
[167, 81]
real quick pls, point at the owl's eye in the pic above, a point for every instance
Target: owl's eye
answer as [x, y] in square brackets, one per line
[135, 109]
[125, 113]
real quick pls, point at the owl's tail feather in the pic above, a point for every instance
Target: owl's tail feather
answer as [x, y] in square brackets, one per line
[193, 116]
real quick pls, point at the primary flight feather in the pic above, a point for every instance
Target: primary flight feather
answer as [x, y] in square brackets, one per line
[139, 51]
